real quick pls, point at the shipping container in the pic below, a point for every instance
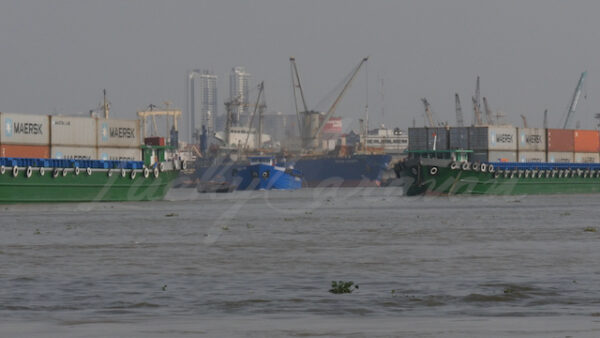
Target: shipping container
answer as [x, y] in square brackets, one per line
[437, 137]
[73, 131]
[24, 151]
[417, 138]
[493, 138]
[154, 141]
[74, 153]
[24, 129]
[459, 138]
[532, 156]
[502, 156]
[532, 139]
[118, 133]
[587, 158]
[559, 140]
[494, 156]
[120, 154]
[586, 141]
[560, 156]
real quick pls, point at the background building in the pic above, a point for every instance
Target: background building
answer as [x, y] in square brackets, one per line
[239, 85]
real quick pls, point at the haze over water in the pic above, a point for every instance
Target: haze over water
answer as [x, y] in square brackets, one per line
[261, 264]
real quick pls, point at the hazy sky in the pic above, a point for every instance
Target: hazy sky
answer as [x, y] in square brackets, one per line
[57, 56]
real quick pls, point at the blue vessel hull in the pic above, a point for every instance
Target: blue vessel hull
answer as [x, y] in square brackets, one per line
[353, 171]
[265, 177]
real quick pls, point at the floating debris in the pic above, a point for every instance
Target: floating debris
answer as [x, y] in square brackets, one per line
[590, 229]
[171, 215]
[342, 287]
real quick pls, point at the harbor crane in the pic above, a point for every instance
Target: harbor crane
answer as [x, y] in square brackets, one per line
[488, 112]
[311, 122]
[524, 121]
[459, 115]
[574, 100]
[477, 112]
[428, 112]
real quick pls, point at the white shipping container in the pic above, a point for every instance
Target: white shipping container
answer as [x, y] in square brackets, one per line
[24, 129]
[532, 156]
[493, 138]
[73, 131]
[119, 133]
[74, 153]
[560, 157]
[587, 158]
[532, 139]
[502, 156]
[120, 154]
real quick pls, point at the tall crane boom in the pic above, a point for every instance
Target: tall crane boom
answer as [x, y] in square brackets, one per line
[339, 98]
[459, 115]
[575, 99]
[477, 113]
[488, 112]
[297, 87]
[428, 112]
[524, 121]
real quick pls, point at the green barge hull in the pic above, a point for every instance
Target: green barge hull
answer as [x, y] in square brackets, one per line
[443, 177]
[36, 185]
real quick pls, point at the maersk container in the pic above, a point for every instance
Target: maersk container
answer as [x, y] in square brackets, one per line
[493, 156]
[120, 154]
[560, 157]
[119, 133]
[501, 138]
[74, 153]
[459, 138]
[502, 156]
[417, 138]
[532, 139]
[532, 156]
[560, 140]
[437, 137]
[24, 129]
[587, 158]
[73, 131]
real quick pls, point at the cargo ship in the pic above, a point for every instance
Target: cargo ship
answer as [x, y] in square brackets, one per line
[51, 158]
[25, 180]
[501, 160]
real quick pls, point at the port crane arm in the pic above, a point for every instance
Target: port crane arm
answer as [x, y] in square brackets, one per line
[261, 87]
[524, 121]
[574, 100]
[339, 98]
[488, 112]
[297, 86]
[459, 115]
[478, 121]
[428, 112]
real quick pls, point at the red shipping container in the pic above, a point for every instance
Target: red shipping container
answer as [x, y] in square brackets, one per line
[154, 141]
[560, 140]
[586, 141]
[24, 151]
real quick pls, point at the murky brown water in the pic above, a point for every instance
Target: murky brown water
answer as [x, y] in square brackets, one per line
[261, 264]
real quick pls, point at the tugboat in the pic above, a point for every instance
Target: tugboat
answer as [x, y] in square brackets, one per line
[264, 174]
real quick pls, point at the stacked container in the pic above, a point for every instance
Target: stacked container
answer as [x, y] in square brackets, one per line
[73, 138]
[24, 135]
[426, 138]
[459, 138]
[560, 145]
[417, 139]
[119, 139]
[493, 143]
[586, 145]
[531, 144]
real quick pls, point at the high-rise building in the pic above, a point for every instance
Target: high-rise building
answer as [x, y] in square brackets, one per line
[208, 100]
[201, 92]
[239, 85]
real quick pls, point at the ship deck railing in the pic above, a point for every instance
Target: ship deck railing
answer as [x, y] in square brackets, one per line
[543, 166]
[69, 163]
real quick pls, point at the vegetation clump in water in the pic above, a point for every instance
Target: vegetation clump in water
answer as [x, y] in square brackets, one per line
[342, 287]
[590, 229]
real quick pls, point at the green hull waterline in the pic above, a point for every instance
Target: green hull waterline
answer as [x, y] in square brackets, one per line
[447, 181]
[97, 187]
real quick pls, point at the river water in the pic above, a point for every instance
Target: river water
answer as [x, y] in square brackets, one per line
[261, 264]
